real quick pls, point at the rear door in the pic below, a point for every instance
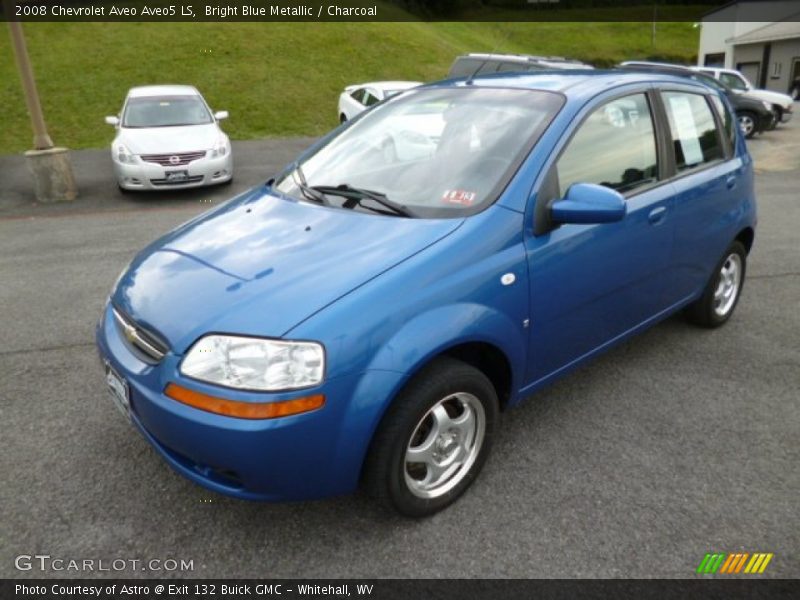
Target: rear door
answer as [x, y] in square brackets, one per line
[708, 181]
[590, 284]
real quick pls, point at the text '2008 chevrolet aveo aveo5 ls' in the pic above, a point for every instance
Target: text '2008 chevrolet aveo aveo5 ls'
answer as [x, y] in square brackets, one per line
[363, 317]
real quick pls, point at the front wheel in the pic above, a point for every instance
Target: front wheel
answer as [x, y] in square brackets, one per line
[722, 292]
[748, 123]
[433, 440]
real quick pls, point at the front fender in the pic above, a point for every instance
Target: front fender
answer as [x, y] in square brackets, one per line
[435, 331]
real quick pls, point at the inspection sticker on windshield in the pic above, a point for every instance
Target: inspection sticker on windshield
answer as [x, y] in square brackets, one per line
[461, 197]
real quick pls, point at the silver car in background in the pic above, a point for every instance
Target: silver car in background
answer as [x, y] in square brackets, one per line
[167, 138]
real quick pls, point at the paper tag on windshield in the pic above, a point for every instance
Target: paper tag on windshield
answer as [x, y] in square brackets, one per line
[460, 197]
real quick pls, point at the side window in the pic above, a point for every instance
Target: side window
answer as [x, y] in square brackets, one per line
[615, 147]
[358, 95]
[694, 131]
[728, 122]
[369, 99]
[733, 81]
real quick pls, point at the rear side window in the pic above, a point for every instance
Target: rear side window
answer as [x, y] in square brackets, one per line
[733, 81]
[728, 122]
[694, 131]
[615, 146]
[369, 99]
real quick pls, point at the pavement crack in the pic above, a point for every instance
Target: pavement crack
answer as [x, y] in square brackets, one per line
[46, 348]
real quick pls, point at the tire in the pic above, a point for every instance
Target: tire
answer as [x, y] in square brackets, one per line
[723, 290]
[748, 123]
[777, 115]
[342, 118]
[460, 402]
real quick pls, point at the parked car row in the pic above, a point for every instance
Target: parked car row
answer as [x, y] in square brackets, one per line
[756, 110]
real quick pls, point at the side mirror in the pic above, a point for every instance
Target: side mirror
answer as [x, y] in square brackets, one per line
[112, 121]
[589, 203]
[221, 114]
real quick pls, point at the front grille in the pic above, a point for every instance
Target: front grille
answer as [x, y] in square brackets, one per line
[177, 159]
[184, 181]
[144, 344]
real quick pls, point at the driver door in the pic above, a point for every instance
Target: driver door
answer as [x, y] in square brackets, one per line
[591, 283]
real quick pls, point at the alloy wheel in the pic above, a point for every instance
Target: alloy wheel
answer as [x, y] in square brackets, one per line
[444, 445]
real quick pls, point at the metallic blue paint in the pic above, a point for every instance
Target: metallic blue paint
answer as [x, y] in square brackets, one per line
[385, 295]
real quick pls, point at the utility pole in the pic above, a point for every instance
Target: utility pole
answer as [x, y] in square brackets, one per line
[50, 166]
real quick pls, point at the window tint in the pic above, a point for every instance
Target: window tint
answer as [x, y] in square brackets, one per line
[733, 81]
[615, 147]
[694, 131]
[369, 99]
[728, 122]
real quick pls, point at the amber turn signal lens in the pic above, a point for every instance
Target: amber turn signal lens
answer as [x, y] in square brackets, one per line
[243, 410]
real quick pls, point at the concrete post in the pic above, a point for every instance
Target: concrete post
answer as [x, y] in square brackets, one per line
[50, 167]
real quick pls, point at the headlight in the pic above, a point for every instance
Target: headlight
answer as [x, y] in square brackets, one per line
[123, 154]
[220, 148]
[254, 363]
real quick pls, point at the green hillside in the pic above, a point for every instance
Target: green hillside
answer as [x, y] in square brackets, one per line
[276, 79]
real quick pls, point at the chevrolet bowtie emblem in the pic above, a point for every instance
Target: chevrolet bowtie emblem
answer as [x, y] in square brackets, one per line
[130, 333]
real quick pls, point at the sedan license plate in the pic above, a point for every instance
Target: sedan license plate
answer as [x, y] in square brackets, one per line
[176, 176]
[119, 391]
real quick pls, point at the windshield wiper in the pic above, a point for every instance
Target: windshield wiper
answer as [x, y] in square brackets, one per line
[355, 195]
[308, 192]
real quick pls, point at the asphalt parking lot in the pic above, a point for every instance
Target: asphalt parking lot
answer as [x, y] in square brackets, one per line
[677, 443]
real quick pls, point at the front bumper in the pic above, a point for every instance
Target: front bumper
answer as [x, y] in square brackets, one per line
[153, 176]
[300, 457]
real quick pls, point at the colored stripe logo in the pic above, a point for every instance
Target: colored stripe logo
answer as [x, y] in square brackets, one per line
[739, 562]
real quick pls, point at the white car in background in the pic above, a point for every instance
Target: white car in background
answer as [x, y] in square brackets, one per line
[782, 104]
[167, 138]
[358, 98]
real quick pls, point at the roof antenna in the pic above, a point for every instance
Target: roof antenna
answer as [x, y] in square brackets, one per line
[488, 58]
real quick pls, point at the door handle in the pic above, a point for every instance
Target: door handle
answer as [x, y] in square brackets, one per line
[657, 215]
[730, 182]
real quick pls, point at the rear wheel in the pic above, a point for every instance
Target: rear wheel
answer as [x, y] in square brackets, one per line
[748, 123]
[722, 292]
[434, 439]
[342, 118]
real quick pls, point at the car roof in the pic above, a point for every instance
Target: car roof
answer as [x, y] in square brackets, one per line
[570, 82]
[163, 90]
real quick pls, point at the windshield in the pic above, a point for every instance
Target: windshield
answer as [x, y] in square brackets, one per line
[437, 153]
[165, 111]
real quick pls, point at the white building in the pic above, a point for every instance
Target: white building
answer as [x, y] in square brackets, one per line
[767, 52]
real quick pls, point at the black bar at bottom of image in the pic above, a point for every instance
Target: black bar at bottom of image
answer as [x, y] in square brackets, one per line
[380, 589]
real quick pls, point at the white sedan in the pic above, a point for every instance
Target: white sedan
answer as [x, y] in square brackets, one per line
[358, 98]
[168, 137]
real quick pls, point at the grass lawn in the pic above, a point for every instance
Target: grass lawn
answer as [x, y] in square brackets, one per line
[276, 79]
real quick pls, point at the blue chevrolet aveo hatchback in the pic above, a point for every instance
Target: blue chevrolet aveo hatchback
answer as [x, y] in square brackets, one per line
[363, 317]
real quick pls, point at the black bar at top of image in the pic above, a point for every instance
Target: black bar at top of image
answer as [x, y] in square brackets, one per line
[398, 10]
[394, 589]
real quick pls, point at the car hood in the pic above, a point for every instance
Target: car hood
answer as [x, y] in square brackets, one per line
[260, 264]
[781, 100]
[166, 140]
